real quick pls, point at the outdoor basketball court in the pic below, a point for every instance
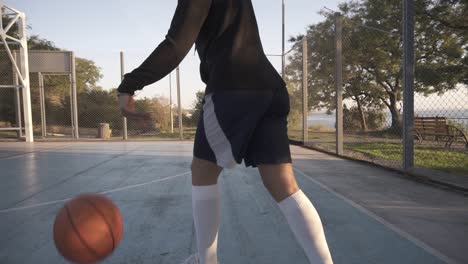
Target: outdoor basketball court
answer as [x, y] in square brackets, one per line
[370, 215]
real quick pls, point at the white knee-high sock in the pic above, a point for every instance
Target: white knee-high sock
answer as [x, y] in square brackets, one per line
[307, 227]
[206, 216]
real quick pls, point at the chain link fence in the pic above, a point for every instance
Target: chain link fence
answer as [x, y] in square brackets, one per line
[97, 107]
[293, 79]
[51, 106]
[10, 99]
[372, 93]
[441, 86]
[365, 53]
[363, 120]
[174, 103]
[320, 79]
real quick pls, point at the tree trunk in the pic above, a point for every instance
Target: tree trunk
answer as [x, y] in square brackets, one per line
[362, 117]
[396, 117]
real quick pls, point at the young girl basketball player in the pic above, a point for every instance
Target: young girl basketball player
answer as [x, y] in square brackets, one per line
[244, 117]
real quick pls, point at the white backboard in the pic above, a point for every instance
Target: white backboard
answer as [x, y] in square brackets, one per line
[49, 61]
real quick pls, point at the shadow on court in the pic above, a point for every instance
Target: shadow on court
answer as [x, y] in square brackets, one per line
[370, 215]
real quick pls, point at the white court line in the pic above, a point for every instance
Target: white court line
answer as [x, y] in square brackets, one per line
[379, 219]
[104, 192]
[32, 152]
[145, 183]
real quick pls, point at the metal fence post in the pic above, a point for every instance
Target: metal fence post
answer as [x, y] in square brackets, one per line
[339, 82]
[305, 108]
[122, 72]
[181, 128]
[171, 113]
[283, 58]
[74, 97]
[42, 104]
[408, 84]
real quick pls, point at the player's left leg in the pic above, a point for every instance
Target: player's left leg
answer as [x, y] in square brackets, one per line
[301, 215]
[223, 133]
[205, 199]
[206, 210]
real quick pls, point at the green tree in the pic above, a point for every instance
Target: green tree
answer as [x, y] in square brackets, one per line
[98, 106]
[197, 107]
[352, 119]
[295, 104]
[372, 58]
[450, 13]
[37, 43]
[159, 107]
[87, 75]
[161, 110]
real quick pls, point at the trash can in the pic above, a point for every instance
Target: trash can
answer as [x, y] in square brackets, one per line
[104, 131]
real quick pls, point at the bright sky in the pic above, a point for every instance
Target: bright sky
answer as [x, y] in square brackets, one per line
[99, 30]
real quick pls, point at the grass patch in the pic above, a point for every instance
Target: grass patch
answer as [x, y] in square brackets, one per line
[388, 133]
[424, 156]
[319, 135]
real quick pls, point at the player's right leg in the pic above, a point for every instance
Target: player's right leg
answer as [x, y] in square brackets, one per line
[301, 215]
[269, 150]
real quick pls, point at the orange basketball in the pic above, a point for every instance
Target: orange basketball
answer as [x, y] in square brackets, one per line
[88, 228]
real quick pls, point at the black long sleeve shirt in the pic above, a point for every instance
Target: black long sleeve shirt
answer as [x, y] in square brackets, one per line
[227, 41]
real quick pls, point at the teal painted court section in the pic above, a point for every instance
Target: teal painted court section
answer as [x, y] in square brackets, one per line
[370, 215]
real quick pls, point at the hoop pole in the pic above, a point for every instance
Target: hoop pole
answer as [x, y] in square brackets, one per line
[24, 77]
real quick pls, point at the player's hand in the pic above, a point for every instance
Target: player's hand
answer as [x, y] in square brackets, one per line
[127, 108]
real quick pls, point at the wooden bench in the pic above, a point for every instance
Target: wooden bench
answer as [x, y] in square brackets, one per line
[439, 129]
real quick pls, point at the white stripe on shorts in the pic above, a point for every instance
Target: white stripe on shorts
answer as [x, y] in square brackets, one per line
[216, 137]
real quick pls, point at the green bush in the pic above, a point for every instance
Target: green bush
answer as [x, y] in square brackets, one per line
[374, 119]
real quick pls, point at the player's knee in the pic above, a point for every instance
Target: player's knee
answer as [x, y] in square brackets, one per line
[280, 195]
[203, 165]
[280, 186]
[287, 188]
[204, 172]
[193, 166]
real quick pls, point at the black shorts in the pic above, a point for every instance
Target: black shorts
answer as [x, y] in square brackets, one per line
[244, 125]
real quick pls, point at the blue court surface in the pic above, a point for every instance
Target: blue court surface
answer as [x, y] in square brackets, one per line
[370, 215]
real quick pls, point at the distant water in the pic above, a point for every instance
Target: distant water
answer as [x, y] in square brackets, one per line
[322, 119]
[458, 115]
